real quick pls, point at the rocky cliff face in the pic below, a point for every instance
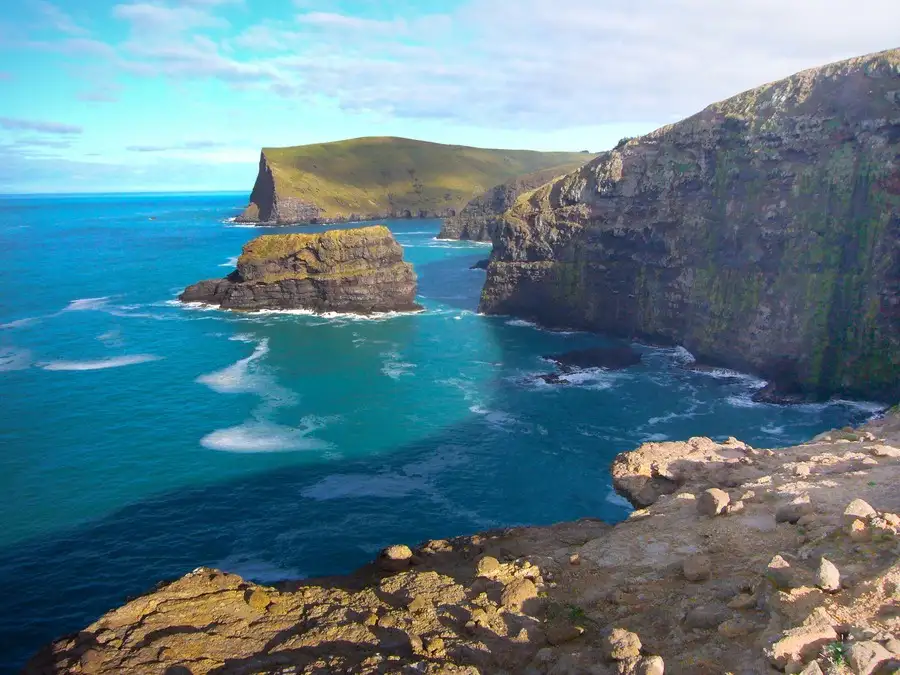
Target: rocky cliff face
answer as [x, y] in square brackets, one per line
[359, 270]
[763, 234]
[744, 561]
[481, 216]
[382, 177]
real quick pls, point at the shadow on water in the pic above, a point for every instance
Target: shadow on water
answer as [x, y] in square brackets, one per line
[439, 281]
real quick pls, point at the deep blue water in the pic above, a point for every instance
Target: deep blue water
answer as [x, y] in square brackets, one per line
[140, 439]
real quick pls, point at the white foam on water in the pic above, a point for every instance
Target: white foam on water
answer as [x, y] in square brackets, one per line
[591, 378]
[521, 322]
[238, 378]
[196, 306]
[772, 430]
[357, 486]
[259, 571]
[111, 338]
[231, 223]
[14, 358]
[393, 367]
[726, 374]
[21, 323]
[655, 438]
[613, 497]
[231, 262]
[871, 407]
[100, 364]
[262, 436]
[86, 304]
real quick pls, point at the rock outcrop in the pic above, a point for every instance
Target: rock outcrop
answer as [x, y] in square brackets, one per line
[763, 234]
[744, 561]
[382, 177]
[357, 270]
[479, 219]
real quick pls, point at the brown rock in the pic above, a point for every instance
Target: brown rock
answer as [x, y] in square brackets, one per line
[828, 578]
[517, 593]
[734, 628]
[395, 558]
[620, 644]
[697, 568]
[865, 657]
[858, 510]
[801, 644]
[706, 617]
[487, 565]
[858, 531]
[560, 632]
[712, 502]
[791, 513]
[650, 665]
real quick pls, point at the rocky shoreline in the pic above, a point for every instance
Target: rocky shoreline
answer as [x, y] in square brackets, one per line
[738, 560]
[357, 270]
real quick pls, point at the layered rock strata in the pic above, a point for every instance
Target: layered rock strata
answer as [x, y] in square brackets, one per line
[480, 218]
[763, 234]
[356, 270]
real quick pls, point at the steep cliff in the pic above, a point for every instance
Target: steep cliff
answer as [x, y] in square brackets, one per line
[480, 217]
[359, 270]
[762, 234]
[374, 178]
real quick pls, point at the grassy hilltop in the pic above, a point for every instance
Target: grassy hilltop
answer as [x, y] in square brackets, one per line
[382, 176]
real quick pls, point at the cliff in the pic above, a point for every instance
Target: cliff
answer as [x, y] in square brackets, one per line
[381, 177]
[358, 270]
[480, 217]
[762, 233]
[744, 561]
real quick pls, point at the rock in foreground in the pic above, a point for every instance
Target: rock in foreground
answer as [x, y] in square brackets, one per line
[670, 590]
[359, 270]
[762, 233]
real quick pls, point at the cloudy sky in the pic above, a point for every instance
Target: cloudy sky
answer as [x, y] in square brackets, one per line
[106, 95]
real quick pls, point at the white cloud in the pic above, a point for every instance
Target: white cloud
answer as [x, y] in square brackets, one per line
[57, 18]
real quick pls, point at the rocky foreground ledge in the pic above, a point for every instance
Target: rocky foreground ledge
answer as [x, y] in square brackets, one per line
[358, 270]
[739, 561]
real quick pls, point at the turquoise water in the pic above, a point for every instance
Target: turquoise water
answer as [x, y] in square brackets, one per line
[141, 439]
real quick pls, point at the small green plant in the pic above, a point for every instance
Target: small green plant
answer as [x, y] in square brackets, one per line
[576, 613]
[622, 142]
[872, 483]
[835, 653]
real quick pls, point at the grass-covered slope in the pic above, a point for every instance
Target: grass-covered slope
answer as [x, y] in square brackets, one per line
[379, 177]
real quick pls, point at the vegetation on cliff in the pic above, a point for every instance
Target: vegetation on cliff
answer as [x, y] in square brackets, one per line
[378, 177]
[481, 216]
[353, 270]
[762, 233]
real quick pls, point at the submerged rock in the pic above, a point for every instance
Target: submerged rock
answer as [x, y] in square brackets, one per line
[611, 358]
[357, 270]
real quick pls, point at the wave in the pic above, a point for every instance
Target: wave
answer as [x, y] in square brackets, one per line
[262, 436]
[86, 304]
[14, 358]
[100, 364]
[375, 316]
[21, 323]
[260, 571]
[393, 367]
[772, 430]
[231, 262]
[869, 408]
[521, 323]
[655, 438]
[237, 378]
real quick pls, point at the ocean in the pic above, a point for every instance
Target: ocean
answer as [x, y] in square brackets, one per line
[141, 438]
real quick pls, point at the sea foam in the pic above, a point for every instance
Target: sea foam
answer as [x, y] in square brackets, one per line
[100, 364]
[262, 436]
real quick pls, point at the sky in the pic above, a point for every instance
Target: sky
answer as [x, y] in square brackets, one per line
[180, 95]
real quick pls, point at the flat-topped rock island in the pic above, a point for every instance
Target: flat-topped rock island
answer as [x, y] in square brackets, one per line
[358, 270]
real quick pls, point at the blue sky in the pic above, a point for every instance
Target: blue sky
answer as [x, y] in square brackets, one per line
[112, 95]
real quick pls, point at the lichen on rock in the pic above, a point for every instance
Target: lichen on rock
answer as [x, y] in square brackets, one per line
[358, 270]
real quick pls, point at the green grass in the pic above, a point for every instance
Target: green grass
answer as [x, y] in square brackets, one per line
[382, 174]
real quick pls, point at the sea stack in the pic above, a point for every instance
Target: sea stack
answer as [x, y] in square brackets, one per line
[762, 233]
[358, 270]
